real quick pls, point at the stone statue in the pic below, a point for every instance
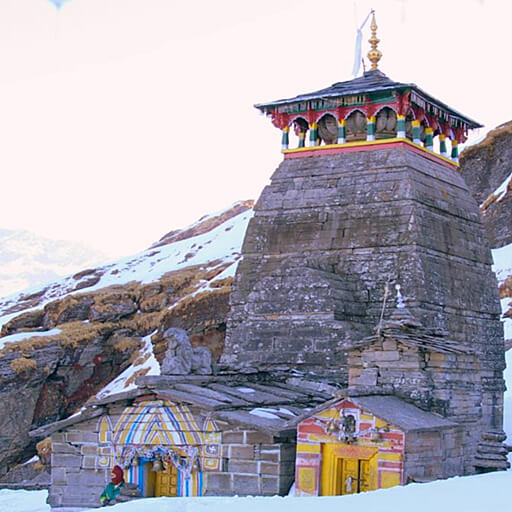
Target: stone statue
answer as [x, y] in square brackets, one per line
[181, 358]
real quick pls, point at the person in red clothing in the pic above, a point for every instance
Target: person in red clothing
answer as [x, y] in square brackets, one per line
[113, 488]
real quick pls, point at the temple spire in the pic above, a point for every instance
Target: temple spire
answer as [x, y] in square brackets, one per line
[374, 54]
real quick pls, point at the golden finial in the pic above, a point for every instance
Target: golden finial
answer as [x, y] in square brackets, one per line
[374, 55]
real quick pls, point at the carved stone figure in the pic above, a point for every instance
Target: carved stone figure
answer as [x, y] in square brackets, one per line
[181, 359]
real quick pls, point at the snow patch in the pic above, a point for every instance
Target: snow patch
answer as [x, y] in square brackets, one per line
[21, 336]
[501, 191]
[246, 390]
[264, 413]
[125, 381]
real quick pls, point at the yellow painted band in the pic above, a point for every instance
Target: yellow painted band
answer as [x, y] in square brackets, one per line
[429, 130]
[286, 129]
[313, 126]
[370, 143]
[308, 448]
[400, 118]
[343, 122]
[455, 143]
[416, 123]
[371, 119]
[442, 136]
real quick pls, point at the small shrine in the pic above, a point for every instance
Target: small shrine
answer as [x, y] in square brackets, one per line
[367, 110]
[363, 443]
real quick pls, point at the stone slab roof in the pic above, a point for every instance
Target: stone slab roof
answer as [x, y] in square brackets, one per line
[371, 81]
[392, 409]
[404, 415]
[266, 406]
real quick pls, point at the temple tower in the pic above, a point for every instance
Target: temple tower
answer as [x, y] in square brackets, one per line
[363, 203]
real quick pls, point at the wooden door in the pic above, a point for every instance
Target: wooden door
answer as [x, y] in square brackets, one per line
[349, 477]
[347, 470]
[364, 476]
[167, 482]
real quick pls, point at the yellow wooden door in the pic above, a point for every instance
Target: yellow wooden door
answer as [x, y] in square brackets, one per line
[349, 476]
[167, 482]
[347, 470]
[364, 476]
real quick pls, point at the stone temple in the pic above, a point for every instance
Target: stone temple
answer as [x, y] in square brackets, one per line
[363, 347]
[365, 208]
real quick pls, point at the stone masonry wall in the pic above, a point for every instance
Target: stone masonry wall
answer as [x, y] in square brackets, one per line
[330, 231]
[253, 464]
[75, 479]
[447, 384]
[432, 455]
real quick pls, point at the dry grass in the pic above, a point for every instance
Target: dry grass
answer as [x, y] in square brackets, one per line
[505, 288]
[143, 323]
[127, 345]
[222, 283]
[23, 365]
[489, 141]
[28, 346]
[138, 373]
[75, 334]
[154, 298]
[139, 359]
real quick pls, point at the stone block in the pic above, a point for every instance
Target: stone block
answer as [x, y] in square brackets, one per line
[58, 476]
[89, 449]
[54, 499]
[80, 437]
[269, 468]
[242, 466]
[230, 437]
[89, 461]
[367, 377]
[269, 485]
[246, 484]
[66, 460]
[255, 437]
[270, 455]
[219, 482]
[92, 478]
[241, 451]
[65, 448]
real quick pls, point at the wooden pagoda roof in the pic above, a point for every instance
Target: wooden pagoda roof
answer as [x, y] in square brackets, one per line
[369, 82]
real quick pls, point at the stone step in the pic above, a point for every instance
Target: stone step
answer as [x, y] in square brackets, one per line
[494, 436]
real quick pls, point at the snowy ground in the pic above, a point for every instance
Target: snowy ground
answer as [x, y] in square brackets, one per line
[466, 494]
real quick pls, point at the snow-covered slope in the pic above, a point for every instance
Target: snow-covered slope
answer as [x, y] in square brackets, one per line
[503, 268]
[28, 260]
[218, 247]
[483, 493]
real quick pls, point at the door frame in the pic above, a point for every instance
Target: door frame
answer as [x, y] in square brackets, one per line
[333, 455]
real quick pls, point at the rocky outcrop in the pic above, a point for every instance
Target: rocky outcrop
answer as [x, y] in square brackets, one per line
[94, 335]
[485, 167]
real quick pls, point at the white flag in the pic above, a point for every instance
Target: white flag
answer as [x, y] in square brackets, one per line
[357, 51]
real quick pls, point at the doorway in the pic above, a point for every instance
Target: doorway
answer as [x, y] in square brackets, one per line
[166, 482]
[348, 469]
